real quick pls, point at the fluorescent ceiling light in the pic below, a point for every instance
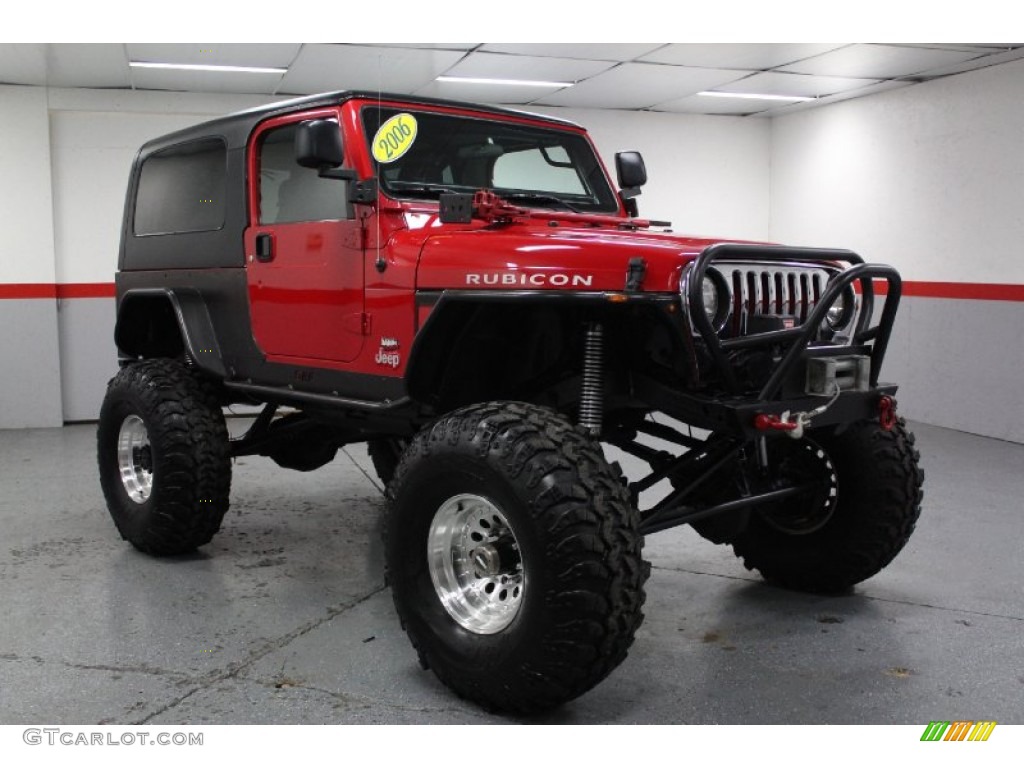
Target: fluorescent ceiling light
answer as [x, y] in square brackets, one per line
[761, 96]
[207, 67]
[502, 81]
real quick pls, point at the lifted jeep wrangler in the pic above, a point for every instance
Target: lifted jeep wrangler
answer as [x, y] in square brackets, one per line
[462, 288]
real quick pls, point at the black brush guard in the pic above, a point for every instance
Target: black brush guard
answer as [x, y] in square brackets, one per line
[731, 416]
[733, 410]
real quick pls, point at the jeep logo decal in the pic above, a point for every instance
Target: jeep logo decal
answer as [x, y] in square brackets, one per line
[388, 354]
[529, 279]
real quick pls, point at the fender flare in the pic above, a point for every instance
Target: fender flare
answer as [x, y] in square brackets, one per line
[191, 316]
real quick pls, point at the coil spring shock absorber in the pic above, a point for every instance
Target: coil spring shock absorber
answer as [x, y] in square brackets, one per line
[592, 392]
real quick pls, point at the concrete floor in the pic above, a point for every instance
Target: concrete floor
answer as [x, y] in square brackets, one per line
[284, 618]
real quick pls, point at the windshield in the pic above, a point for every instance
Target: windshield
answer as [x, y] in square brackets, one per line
[420, 154]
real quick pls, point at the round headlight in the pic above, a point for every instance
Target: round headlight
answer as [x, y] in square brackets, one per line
[710, 292]
[836, 312]
[714, 291]
[839, 314]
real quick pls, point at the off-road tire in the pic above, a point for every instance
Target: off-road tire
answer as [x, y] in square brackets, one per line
[578, 535]
[190, 457]
[878, 504]
[385, 454]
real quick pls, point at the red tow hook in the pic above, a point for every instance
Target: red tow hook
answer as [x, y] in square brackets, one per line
[767, 421]
[887, 412]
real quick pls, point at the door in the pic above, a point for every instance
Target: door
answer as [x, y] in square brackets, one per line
[304, 256]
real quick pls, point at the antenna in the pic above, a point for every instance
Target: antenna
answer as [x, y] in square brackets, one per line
[379, 263]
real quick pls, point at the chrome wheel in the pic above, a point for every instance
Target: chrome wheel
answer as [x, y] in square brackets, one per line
[135, 459]
[475, 565]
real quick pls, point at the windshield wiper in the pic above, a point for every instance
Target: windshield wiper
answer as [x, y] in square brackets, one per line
[436, 190]
[527, 197]
[427, 190]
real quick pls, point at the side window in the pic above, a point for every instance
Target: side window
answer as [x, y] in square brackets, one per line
[547, 168]
[289, 192]
[181, 189]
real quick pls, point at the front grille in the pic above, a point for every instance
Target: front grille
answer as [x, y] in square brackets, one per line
[770, 289]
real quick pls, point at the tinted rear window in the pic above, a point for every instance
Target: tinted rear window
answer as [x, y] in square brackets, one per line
[181, 189]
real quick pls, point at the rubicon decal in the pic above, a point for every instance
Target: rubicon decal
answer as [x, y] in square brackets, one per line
[530, 279]
[388, 353]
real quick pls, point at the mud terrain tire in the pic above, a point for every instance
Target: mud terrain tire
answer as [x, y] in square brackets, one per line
[164, 458]
[563, 533]
[878, 501]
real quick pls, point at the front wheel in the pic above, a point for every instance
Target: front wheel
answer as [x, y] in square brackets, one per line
[864, 506]
[514, 557]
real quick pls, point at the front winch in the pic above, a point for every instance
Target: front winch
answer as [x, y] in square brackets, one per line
[849, 372]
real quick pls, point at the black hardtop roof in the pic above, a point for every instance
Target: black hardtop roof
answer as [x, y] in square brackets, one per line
[236, 127]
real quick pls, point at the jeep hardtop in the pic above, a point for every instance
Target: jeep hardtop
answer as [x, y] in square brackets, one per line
[464, 289]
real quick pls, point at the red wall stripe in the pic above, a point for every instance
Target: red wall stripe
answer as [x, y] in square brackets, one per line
[57, 291]
[936, 290]
[85, 291]
[28, 291]
[978, 291]
[933, 290]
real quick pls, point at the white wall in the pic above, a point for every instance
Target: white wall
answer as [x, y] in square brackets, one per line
[30, 368]
[930, 179]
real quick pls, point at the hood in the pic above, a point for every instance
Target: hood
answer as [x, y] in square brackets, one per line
[530, 257]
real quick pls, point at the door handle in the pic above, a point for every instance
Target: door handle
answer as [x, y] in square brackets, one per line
[265, 247]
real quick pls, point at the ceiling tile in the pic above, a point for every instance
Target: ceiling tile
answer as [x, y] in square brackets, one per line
[598, 51]
[780, 109]
[786, 84]
[87, 65]
[980, 47]
[216, 82]
[329, 67]
[990, 59]
[715, 105]
[500, 65]
[484, 94]
[737, 55]
[224, 54]
[429, 46]
[23, 63]
[878, 62]
[638, 86]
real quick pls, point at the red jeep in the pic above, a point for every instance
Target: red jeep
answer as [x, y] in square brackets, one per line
[463, 288]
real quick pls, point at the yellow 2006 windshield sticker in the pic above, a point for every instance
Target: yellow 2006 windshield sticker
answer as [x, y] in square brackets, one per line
[394, 138]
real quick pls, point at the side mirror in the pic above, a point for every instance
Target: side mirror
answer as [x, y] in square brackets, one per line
[318, 144]
[632, 174]
[631, 171]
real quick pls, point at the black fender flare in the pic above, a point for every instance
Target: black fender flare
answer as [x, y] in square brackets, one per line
[191, 315]
[453, 311]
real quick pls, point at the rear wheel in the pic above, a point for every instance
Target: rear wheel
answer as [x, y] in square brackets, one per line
[514, 556]
[863, 502]
[164, 459]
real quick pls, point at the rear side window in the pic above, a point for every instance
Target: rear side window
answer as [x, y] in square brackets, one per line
[182, 188]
